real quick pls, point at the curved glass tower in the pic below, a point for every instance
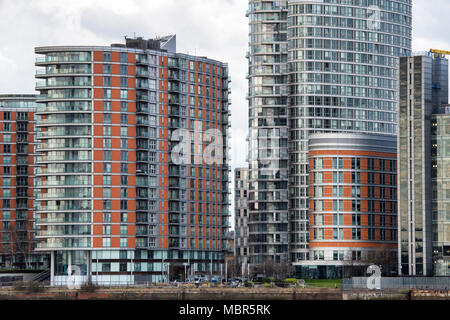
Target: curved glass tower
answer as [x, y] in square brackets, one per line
[342, 77]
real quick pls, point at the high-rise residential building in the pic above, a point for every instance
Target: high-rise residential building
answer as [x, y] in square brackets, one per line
[421, 164]
[133, 183]
[268, 132]
[17, 152]
[440, 131]
[241, 215]
[353, 207]
[314, 67]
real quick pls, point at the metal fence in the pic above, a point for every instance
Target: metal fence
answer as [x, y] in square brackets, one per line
[411, 283]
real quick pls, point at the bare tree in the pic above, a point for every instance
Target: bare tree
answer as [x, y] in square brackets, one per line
[20, 245]
[272, 269]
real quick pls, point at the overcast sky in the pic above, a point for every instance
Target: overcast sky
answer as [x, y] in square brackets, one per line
[214, 28]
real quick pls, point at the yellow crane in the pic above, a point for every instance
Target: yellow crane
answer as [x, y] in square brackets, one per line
[441, 52]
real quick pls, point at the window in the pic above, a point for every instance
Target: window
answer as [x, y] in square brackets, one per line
[319, 255]
[123, 57]
[124, 131]
[7, 137]
[338, 163]
[6, 203]
[124, 168]
[124, 143]
[107, 118]
[107, 204]
[107, 69]
[356, 163]
[123, 242]
[356, 219]
[107, 155]
[124, 217]
[23, 116]
[107, 56]
[107, 180]
[356, 255]
[7, 148]
[124, 230]
[124, 155]
[124, 106]
[124, 118]
[124, 180]
[356, 234]
[6, 170]
[6, 115]
[124, 94]
[107, 193]
[106, 267]
[7, 193]
[123, 81]
[107, 81]
[107, 167]
[107, 94]
[123, 69]
[106, 216]
[106, 229]
[106, 105]
[107, 143]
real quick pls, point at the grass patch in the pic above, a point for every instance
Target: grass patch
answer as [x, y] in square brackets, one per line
[324, 283]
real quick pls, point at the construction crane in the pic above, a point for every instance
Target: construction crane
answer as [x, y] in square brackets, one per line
[441, 52]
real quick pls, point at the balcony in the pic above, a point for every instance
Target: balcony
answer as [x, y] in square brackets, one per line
[142, 73]
[64, 57]
[173, 64]
[141, 59]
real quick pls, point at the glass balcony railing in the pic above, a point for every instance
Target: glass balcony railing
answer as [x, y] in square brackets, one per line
[65, 218]
[55, 233]
[66, 132]
[141, 59]
[65, 158]
[65, 243]
[173, 63]
[142, 73]
[69, 181]
[65, 57]
[66, 94]
[67, 106]
[83, 82]
[86, 206]
[66, 120]
[65, 69]
[67, 193]
[81, 145]
[141, 96]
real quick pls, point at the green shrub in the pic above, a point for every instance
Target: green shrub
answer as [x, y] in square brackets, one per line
[291, 280]
[249, 284]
